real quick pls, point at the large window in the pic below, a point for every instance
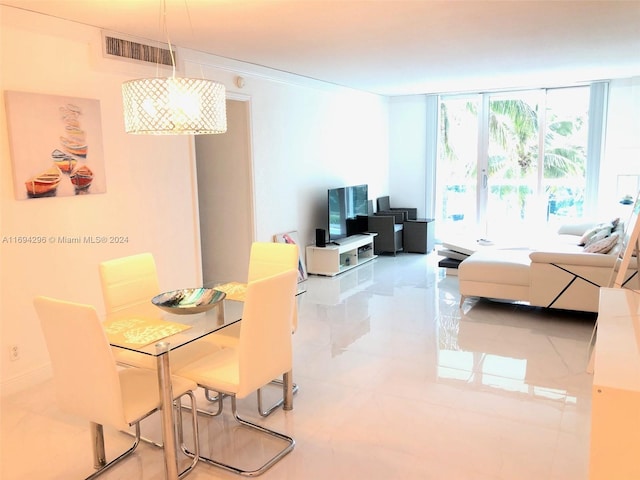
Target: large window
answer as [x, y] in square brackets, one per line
[512, 161]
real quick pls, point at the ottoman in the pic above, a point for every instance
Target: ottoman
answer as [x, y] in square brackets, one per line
[418, 235]
[495, 273]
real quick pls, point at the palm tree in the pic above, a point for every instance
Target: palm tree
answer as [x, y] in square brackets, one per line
[513, 156]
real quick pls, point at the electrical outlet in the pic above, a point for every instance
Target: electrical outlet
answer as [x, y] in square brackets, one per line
[14, 353]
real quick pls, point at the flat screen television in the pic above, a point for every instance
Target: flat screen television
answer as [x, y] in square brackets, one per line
[344, 205]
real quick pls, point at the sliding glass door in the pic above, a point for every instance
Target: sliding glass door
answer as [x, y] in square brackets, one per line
[511, 162]
[457, 165]
[508, 160]
[566, 139]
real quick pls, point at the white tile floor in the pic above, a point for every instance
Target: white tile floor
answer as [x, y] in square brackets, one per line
[396, 382]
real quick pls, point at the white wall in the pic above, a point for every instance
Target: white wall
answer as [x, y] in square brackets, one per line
[307, 137]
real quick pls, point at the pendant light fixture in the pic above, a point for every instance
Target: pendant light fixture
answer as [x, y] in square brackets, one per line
[174, 105]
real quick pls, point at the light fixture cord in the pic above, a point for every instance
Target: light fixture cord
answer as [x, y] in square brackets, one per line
[186, 7]
[166, 32]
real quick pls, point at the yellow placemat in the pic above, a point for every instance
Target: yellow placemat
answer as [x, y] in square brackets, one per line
[234, 290]
[139, 332]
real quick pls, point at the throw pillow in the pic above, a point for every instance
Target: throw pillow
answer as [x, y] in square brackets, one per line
[614, 223]
[599, 235]
[596, 233]
[603, 245]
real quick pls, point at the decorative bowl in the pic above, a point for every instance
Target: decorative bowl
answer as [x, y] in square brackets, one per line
[188, 300]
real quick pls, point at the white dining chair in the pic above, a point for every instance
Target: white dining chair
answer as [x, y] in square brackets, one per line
[263, 352]
[266, 259]
[130, 283]
[89, 384]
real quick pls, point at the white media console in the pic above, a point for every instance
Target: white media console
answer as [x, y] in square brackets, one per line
[334, 259]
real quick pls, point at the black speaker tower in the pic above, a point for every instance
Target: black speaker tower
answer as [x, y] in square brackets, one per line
[321, 238]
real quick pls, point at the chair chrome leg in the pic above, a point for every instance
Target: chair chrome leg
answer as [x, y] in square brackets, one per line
[279, 403]
[290, 444]
[124, 454]
[194, 426]
[287, 390]
[97, 445]
[218, 398]
[144, 439]
[207, 395]
[194, 420]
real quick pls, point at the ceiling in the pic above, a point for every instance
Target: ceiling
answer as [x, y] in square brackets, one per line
[389, 47]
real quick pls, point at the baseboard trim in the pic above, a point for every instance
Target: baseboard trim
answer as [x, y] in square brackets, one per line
[25, 381]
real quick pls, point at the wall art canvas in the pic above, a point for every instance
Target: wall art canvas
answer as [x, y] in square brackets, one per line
[292, 237]
[56, 145]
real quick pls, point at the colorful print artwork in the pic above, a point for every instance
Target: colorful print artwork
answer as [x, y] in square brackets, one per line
[292, 237]
[56, 145]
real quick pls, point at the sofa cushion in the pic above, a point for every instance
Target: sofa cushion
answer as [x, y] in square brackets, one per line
[604, 245]
[510, 267]
[576, 228]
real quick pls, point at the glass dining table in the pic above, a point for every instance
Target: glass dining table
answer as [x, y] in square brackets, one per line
[133, 329]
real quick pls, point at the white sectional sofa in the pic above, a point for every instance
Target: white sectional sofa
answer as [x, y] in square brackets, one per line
[558, 272]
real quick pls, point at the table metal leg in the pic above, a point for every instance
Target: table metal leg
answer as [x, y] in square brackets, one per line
[166, 404]
[287, 390]
[220, 311]
[97, 444]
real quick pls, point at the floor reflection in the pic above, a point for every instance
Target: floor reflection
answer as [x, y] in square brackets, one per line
[515, 348]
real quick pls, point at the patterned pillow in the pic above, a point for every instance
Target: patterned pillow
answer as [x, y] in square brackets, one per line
[596, 233]
[603, 245]
[615, 222]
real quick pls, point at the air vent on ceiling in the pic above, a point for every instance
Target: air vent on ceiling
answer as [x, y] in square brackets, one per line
[134, 50]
